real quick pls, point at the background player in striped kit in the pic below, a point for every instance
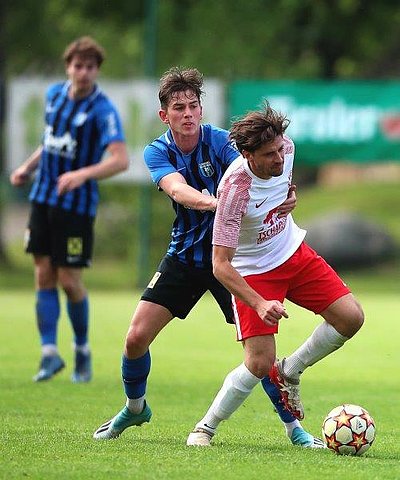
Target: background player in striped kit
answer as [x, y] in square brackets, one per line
[187, 163]
[262, 259]
[81, 124]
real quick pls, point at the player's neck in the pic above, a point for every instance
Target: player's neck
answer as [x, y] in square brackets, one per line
[186, 143]
[77, 94]
[258, 173]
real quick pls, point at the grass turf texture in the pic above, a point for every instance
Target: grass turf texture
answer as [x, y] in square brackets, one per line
[47, 428]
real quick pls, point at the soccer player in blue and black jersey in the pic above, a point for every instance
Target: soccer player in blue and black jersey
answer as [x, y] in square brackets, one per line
[187, 163]
[83, 142]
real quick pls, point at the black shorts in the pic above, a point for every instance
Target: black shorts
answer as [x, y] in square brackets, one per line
[64, 236]
[179, 287]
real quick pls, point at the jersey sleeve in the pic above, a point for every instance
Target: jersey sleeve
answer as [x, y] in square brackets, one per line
[51, 92]
[157, 162]
[110, 125]
[288, 145]
[232, 205]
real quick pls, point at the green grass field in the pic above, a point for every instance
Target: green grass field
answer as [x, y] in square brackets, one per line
[47, 428]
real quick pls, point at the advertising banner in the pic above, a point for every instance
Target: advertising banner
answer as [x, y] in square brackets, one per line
[136, 100]
[330, 121]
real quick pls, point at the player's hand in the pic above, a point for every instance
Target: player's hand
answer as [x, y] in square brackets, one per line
[19, 176]
[289, 204]
[271, 311]
[69, 181]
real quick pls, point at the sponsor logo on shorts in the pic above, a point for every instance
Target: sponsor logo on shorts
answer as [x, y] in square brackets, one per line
[27, 237]
[75, 259]
[74, 246]
[153, 281]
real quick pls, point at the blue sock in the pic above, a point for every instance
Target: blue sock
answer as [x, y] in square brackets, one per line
[134, 375]
[47, 315]
[79, 315]
[273, 392]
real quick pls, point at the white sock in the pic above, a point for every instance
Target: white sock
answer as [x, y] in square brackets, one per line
[236, 388]
[324, 340]
[49, 350]
[289, 427]
[135, 405]
[82, 348]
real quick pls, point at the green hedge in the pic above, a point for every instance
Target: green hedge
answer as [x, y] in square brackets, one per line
[118, 224]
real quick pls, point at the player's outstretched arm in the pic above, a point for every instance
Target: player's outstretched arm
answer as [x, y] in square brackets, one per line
[22, 174]
[175, 186]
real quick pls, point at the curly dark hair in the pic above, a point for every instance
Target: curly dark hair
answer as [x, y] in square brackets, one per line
[177, 80]
[257, 128]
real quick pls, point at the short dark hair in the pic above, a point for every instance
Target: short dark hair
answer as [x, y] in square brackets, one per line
[177, 80]
[257, 128]
[85, 47]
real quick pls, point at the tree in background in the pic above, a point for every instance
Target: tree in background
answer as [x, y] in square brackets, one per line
[229, 40]
[36, 33]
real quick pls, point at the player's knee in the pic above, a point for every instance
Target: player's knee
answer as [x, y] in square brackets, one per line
[73, 289]
[346, 316]
[68, 286]
[260, 365]
[351, 321]
[45, 281]
[45, 274]
[356, 319]
[136, 343]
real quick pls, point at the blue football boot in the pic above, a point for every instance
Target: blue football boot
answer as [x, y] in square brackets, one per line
[124, 419]
[304, 439]
[49, 366]
[83, 368]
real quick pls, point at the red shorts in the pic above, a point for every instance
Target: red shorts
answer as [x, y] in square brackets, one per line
[305, 279]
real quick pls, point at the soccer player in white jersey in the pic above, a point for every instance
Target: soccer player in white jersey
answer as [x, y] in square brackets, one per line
[262, 259]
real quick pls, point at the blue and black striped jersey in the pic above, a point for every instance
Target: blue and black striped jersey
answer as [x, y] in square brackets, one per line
[202, 169]
[77, 132]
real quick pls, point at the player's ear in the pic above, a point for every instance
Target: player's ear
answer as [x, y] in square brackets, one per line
[246, 154]
[163, 116]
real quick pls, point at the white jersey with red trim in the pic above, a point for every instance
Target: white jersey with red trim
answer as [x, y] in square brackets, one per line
[247, 220]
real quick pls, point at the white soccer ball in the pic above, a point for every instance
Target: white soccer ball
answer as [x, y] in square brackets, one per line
[348, 430]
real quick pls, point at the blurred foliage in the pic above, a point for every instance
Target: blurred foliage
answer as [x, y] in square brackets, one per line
[118, 224]
[377, 202]
[55, 24]
[224, 39]
[118, 228]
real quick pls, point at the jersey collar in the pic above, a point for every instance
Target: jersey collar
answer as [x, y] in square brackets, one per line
[91, 97]
[170, 139]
